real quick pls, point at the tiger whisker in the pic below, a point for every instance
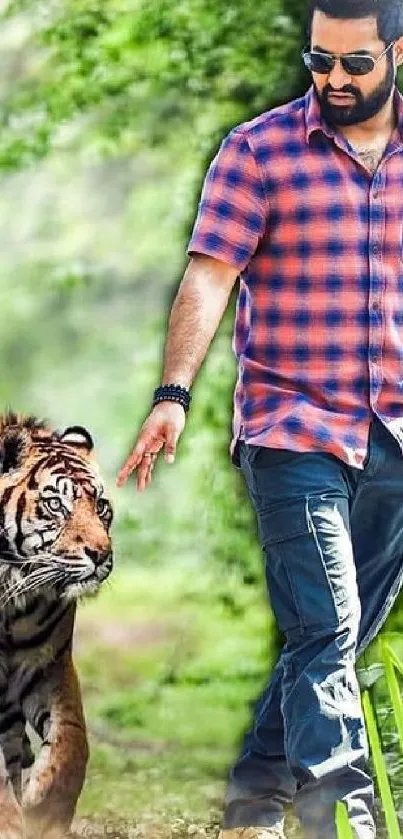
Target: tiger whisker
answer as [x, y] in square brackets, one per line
[13, 560]
[47, 573]
[28, 582]
[19, 559]
[71, 562]
[38, 582]
[38, 559]
[5, 597]
[40, 569]
[9, 593]
[38, 573]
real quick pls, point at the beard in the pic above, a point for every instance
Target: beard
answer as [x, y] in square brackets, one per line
[362, 109]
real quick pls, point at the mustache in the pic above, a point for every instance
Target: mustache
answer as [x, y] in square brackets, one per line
[347, 91]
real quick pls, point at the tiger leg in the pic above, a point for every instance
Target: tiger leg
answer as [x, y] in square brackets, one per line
[12, 732]
[57, 776]
[12, 727]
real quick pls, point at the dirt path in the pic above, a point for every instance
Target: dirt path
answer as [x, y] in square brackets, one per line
[115, 829]
[177, 829]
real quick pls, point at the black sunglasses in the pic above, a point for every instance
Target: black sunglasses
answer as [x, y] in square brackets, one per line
[353, 63]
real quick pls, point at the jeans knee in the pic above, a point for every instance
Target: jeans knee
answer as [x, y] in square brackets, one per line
[322, 650]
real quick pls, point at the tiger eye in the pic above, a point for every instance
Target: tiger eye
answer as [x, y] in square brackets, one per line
[54, 504]
[102, 506]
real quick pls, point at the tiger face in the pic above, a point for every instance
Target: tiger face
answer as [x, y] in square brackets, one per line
[55, 515]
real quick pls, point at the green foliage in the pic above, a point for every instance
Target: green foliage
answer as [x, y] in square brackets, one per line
[142, 71]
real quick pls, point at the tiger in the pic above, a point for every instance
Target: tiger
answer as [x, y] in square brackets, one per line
[55, 548]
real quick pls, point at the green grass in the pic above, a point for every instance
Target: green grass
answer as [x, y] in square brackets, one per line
[167, 675]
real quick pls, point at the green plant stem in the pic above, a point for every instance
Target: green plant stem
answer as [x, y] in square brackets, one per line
[393, 686]
[344, 829]
[391, 819]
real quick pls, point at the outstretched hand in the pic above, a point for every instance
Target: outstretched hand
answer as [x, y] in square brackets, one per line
[163, 427]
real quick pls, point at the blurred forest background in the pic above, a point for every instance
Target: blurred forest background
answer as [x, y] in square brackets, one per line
[110, 112]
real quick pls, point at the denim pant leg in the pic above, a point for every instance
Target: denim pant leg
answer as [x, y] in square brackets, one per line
[302, 501]
[376, 522]
[260, 782]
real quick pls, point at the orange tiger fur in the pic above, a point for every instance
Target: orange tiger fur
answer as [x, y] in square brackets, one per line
[55, 547]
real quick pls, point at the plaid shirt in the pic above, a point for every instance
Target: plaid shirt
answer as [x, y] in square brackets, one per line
[318, 242]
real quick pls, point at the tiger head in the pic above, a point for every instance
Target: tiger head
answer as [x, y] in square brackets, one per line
[55, 515]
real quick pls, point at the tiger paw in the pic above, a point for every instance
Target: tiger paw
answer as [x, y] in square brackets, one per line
[11, 817]
[47, 821]
[11, 825]
[44, 833]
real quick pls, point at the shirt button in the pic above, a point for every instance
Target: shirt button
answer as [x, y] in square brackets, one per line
[375, 248]
[374, 356]
[375, 306]
[375, 194]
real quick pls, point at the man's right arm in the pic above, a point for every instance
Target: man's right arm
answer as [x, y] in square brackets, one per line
[195, 316]
[194, 319]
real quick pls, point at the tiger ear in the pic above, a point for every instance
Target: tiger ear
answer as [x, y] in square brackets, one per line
[77, 436]
[14, 447]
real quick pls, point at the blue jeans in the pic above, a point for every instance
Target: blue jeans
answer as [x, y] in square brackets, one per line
[332, 536]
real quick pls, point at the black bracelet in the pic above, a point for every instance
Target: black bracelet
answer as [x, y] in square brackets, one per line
[172, 393]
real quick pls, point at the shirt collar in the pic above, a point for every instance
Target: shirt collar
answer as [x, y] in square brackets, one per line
[315, 122]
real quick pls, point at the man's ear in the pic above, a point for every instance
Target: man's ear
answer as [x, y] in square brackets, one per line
[78, 437]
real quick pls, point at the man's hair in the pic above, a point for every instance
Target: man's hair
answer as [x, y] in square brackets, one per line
[388, 13]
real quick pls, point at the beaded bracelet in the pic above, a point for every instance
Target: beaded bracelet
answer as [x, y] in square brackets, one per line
[172, 393]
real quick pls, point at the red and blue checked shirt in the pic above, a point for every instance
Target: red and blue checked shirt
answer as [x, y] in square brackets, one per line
[317, 239]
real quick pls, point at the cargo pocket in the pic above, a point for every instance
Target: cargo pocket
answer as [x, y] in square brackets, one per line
[283, 534]
[305, 567]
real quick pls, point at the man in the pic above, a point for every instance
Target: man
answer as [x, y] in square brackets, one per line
[305, 204]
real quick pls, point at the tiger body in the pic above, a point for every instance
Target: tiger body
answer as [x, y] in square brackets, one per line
[55, 547]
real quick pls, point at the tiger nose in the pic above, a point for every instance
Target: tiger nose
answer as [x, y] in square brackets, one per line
[98, 557]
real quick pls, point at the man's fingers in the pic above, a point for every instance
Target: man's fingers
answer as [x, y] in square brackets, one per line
[142, 473]
[145, 453]
[127, 469]
[133, 461]
[170, 444]
[145, 470]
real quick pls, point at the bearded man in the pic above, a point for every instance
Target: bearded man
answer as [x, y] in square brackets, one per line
[304, 204]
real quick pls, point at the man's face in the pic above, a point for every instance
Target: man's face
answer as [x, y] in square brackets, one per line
[365, 95]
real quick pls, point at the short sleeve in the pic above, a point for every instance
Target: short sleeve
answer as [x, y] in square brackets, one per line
[231, 217]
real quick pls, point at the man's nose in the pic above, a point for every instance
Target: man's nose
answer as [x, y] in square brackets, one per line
[338, 78]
